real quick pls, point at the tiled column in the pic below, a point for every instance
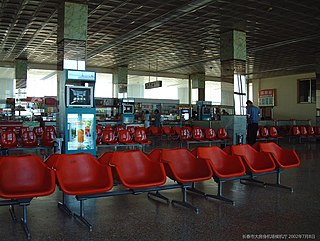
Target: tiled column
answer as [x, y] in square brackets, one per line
[198, 82]
[233, 87]
[21, 72]
[71, 45]
[233, 65]
[120, 80]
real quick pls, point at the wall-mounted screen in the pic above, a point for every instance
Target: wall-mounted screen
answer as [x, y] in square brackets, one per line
[79, 96]
[128, 109]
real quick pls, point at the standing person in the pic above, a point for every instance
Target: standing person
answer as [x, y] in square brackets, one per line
[157, 118]
[147, 119]
[253, 113]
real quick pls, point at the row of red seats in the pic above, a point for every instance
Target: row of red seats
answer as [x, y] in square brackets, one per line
[85, 177]
[28, 138]
[111, 137]
[268, 134]
[304, 132]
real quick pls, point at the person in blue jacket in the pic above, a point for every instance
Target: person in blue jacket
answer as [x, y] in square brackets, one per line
[253, 115]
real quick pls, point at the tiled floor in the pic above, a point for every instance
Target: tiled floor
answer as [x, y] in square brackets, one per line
[258, 211]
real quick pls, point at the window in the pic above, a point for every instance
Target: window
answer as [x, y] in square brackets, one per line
[307, 91]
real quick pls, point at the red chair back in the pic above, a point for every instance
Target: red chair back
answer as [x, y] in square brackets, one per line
[8, 139]
[140, 136]
[223, 165]
[256, 162]
[29, 139]
[136, 170]
[303, 131]
[264, 132]
[295, 131]
[197, 133]
[25, 177]
[185, 134]
[311, 131]
[108, 137]
[317, 130]
[222, 133]
[182, 166]
[48, 136]
[119, 128]
[38, 130]
[81, 174]
[210, 134]
[131, 130]
[273, 132]
[176, 129]
[155, 131]
[124, 137]
[23, 129]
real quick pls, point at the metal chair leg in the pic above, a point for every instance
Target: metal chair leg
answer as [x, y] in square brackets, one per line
[278, 183]
[157, 194]
[63, 206]
[252, 180]
[24, 221]
[195, 190]
[184, 201]
[12, 213]
[81, 218]
[219, 195]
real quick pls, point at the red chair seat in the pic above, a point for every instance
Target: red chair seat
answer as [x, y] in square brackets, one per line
[8, 139]
[222, 164]
[256, 162]
[136, 170]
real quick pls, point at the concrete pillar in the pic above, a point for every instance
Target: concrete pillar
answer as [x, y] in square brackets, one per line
[198, 82]
[120, 80]
[21, 73]
[233, 65]
[71, 46]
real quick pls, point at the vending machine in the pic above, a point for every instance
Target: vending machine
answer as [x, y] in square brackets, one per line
[79, 112]
[204, 109]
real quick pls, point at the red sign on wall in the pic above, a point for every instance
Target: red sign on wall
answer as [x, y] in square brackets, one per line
[267, 97]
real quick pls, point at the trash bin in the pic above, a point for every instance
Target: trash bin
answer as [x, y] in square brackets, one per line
[57, 145]
[239, 139]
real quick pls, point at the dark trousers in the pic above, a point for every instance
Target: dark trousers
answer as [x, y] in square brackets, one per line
[252, 133]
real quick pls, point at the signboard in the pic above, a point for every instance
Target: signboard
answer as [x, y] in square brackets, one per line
[267, 97]
[154, 84]
[81, 75]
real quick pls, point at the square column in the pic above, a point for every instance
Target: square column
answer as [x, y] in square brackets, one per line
[198, 82]
[120, 80]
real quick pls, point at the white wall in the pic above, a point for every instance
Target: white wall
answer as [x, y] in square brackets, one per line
[287, 106]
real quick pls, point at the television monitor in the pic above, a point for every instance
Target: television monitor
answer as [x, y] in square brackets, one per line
[128, 109]
[79, 96]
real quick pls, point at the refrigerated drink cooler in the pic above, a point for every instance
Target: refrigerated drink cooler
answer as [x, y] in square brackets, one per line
[80, 133]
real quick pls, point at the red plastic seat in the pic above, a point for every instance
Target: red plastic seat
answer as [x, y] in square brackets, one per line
[210, 134]
[119, 128]
[222, 134]
[38, 130]
[303, 131]
[182, 166]
[225, 167]
[81, 174]
[176, 129]
[274, 132]
[255, 162]
[109, 137]
[310, 130]
[48, 136]
[8, 139]
[29, 139]
[124, 137]
[185, 134]
[21, 179]
[198, 134]
[168, 132]
[136, 170]
[282, 157]
[317, 130]
[131, 130]
[23, 129]
[155, 131]
[264, 132]
[108, 128]
[99, 131]
[140, 136]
